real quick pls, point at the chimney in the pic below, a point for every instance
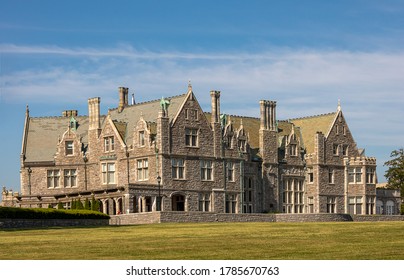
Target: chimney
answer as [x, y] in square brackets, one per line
[123, 98]
[272, 115]
[70, 113]
[263, 115]
[94, 113]
[215, 99]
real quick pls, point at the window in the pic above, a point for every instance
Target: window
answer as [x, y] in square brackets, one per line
[177, 168]
[355, 175]
[142, 169]
[331, 205]
[248, 194]
[370, 204]
[230, 171]
[242, 145]
[310, 175]
[293, 149]
[231, 203]
[370, 175]
[335, 148]
[389, 207]
[109, 144]
[229, 142]
[204, 202]
[331, 176]
[69, 148]
[53, 179]
[206, 170]
[345, 150]
[70, 178]
[108, 173]
[310, 201]
[293, 196]
[191, 137]
[355, 205]
[343, 130]
[142, 141]
[379, 207]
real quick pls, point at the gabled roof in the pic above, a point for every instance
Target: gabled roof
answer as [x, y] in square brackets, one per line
[309, 126]
[44, 132]
[252, 126]
[148, 110]
[43, 135]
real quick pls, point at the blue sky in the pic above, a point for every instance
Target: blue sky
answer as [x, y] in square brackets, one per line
[306, 55]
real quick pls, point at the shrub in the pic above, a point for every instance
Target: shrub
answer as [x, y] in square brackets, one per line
[60, 205]
[45, 213]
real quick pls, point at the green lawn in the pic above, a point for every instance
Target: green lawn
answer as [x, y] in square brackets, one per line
[237, 241]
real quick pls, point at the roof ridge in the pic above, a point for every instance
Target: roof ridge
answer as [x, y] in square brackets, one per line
[148, 101]
[237, 116]
[57, 117]
[313, 116]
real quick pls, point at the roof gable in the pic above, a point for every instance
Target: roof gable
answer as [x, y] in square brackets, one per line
[309, 126]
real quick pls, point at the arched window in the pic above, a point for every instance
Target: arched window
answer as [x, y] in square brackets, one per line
[379, 207]
[390, 207]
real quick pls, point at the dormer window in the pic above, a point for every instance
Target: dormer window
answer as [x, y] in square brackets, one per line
[109, 144]
[293, 149]
[69, 148]
[142, 141]
[242, 145]
[230, 141]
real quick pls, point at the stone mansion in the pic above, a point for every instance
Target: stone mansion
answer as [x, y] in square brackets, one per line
[170, 155]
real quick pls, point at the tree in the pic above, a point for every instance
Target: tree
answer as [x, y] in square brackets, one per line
[73, 204]
[79, 205]
[87, 204]
[395, 171]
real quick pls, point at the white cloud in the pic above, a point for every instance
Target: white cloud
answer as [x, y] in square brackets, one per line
[304, 82]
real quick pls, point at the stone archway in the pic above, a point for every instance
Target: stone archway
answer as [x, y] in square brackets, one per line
[178, 202]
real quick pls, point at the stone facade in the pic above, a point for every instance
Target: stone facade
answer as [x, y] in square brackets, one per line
[170, 155]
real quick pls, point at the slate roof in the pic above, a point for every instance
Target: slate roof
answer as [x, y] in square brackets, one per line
[44, 132]
[252, 126]
[148, 110]
[309, 126]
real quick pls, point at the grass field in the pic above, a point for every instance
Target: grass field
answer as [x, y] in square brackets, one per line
[216, 241]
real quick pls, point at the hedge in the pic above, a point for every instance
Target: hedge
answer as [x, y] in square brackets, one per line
[46, 213]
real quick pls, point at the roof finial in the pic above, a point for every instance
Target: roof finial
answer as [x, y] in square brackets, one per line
[339, 105]
[189, 85]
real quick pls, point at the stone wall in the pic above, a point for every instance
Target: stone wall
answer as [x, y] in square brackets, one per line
[322, 217]
[208, 217]
[44, 223]
[377, 218]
